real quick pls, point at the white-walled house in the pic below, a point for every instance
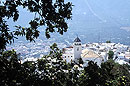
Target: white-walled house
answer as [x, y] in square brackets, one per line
[90, 55]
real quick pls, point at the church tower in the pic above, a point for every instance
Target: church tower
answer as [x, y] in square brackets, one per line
[77, 48]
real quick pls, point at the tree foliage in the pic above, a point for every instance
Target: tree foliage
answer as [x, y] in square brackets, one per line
[108, 41]
[110, 55]
[53, 14]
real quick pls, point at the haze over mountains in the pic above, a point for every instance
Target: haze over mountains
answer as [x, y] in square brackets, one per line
[105, 13]
[102, 19]
[93, 21]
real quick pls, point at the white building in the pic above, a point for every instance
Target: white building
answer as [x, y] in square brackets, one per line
[73, 52]
[76, 51]
[77, 48]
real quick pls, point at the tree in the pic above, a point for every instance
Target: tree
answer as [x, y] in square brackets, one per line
[108, 41]
[110, 55]
[80, 61]
[94, 74]
[49, 13]
[115, 74]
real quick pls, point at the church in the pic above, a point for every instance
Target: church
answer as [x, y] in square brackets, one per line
[76, 51]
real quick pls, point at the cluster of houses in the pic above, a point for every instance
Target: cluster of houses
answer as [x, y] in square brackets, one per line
[97, 52]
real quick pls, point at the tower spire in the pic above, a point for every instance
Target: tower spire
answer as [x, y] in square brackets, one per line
[77, 39]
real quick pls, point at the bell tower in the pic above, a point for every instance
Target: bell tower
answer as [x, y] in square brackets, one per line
[77, 48]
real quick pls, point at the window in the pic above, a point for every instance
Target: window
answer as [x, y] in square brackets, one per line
[78, 49]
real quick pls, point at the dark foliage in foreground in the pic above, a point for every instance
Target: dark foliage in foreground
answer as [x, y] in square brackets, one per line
[51, 70]
[49, 14]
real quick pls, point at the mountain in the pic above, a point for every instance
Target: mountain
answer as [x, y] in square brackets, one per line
[92, 20]
[101, 13]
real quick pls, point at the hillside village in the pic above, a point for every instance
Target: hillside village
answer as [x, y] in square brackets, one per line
[97, 52]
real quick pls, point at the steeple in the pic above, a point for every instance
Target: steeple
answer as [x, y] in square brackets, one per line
[77, 39]
[77, 48]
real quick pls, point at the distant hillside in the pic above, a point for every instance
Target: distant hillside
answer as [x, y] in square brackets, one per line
[101, 13]
[92, 20]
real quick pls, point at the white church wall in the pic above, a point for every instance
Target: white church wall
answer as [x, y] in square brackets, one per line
[68, 57]
[77, 48]
[97, 60]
